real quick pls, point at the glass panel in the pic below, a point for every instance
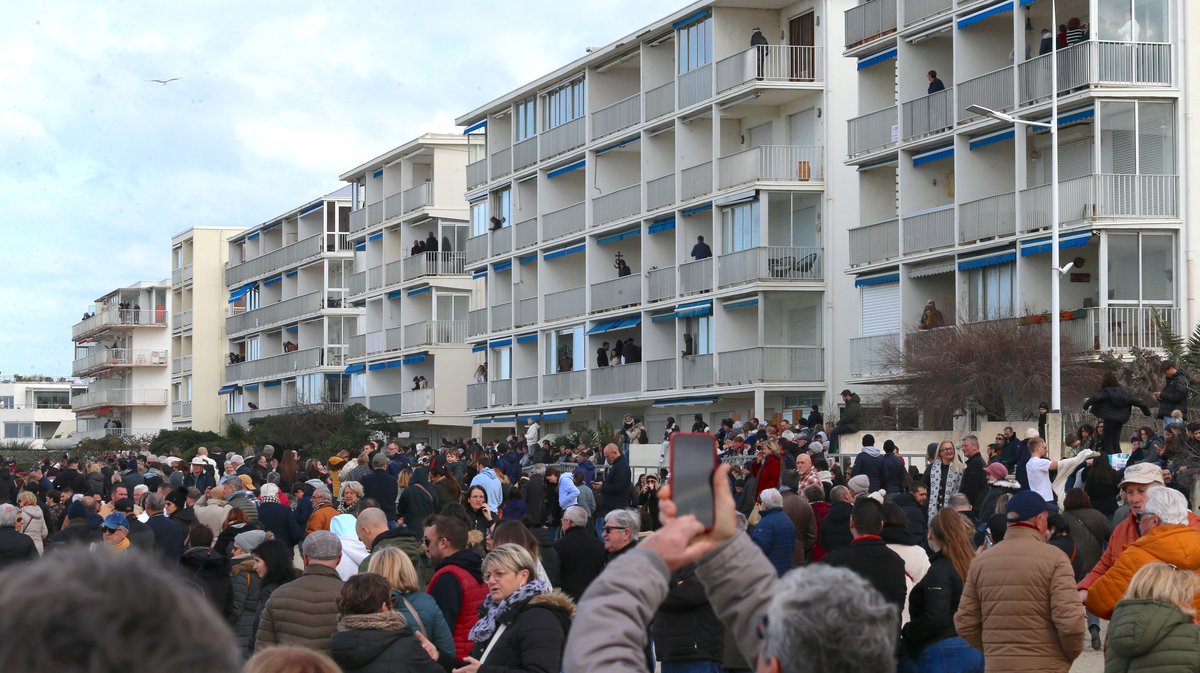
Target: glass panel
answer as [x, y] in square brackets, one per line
[478, 218]
[1114, 20]
[1118, 146]
[1123, 267]
[1156, 138]
[1154, 20]
[1158, 267]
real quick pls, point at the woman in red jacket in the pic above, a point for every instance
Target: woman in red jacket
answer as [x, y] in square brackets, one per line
[767, 466]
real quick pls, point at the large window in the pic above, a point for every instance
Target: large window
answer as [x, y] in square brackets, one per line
[18, 430]
[990, 292]
[702, 329]
[566, 351]
[564, 104]
[695, 43]
[308, 388]
[1141, 268]
[739, 228]
[1137, 138]
[7, 402]
[524, 120]
[1134, 20]
[503, 206]
[52, 399]
[501, 367]
[479, 218]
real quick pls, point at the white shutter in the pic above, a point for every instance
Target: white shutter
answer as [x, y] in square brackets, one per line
[760, 135]
[802, 326]
[880, 309]
[1074, 160]
[802, 128]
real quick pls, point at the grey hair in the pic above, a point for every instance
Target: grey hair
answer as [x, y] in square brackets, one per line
[972, 439]
[540, 468]
[625, 518]
[958, 500]
[323, 492]
[512, 557]
[838, 493]
[8, 516]
[269, 490]
[771, 497]
[576, 515]
[740, 519]
[847, 609]
[1167, 504]
[154, 501]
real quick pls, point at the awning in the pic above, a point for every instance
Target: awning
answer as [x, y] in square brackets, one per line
[226, 389]
[741, 303]
[694, 309]
[360, 247]
[992, 138]
[690, 19]
[376, 366]
[1067, 119]
[415, 358]
[563, 252]
[478, 348]
[276, 383]
[930, 156]
[250, 386]
[661, 225]
[987, 260]
[420, 290]
[1038, 246]
[631, 233]
[615, 324]
[355, 369]
[527, 418]
[662, 317]
[560, 415]
[293, 328]
[488, 420]
[618, 145]
[527, 259]
[272, 281]
[276, 223]
[502, 266]
[500, 343]
[314, 207]
[684, 401]
[375, 237]
[253, 236]
[697, 209]
[875, 59]
[931, 269]
[475, 127]
[527, 338]
[566, 169]
[987, 13]
[291, 274]
[877, 280]
[740, 197]
[378, 173]
[240, 292]
[395, 294]
[481, 273]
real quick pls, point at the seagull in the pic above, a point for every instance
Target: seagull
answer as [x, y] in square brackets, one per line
[164, 82]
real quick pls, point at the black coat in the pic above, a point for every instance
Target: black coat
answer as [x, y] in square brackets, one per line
[168, 536]
[533, 492]
[917, 523]
[874, 562]
[280, 521]
[1112, 405]
[974, 481]
[834, 532]
[685, 628]
[380, 651]
[16, 548]
[931, 606]
[382, 487]
[208, 570]
[534, 638]
[581, 556]
[1174, 395]
[617, 490]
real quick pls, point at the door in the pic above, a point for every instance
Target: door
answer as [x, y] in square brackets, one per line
[802, 40]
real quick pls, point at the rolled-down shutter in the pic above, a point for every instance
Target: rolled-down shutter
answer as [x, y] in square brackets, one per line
[880, 309]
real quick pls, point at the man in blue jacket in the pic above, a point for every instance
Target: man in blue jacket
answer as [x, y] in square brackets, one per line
[869, 462]
[775, 535]
[616, 489]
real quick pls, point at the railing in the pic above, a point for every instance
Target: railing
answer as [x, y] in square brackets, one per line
[770, 63]
[375, 277]
[477, 173]
[660, 101]
[617, 379]
[525, 153]
[696, 181]
[477, 248]
[929, 114]
[180, 276]
[501, 240]
[1103, 63]
[358, 346]
[929, 230]
[284, 311]
[393, 206]
[114, 316]
[477, 322]
[358, 220]
[434, 264]
[660, 374]
[526, 390]
[358, 283]
[393, 339]
[120, 397]
[477, 395]
[618, 116]
[993, 91]
[771, 364]
[417, 197]
[1126, 327]
[181, 365]
[564, 221]
[391, 404]
[563, 138]
[623, 291]
[376, 342]
[872, 132]
[916, 10]
[696, 276]
[416, 401]
[525, 233]
[501, 164]
[988, 217]
[374, 213]
[120, 357]
[1102, 195]
[500, 392]
[697, 370]
[182, 319]
[393, 272]
[875, 242]
[565, 304]
[613, 206]
[872, 356]
[660, 192]
[769, 263]
[431, 332]
[181, 409]
[772, 163]
[695, 86]
[288, 255]
[870, 20]
[502, 316]
[1143, 63]
[564, 386]
[660, 283]
[527, 312]
[100, 433]
[294, 361]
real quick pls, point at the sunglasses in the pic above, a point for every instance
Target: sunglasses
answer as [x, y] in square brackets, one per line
[609, 529]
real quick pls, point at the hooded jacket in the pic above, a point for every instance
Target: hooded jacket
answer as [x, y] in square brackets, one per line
[1177, 544]
[491, 485]
[1112, 405]
[212, 513]
[1151, 637]
[246, 588]
[851, 414]
[418, 501]
[534, 638]
[1174, 395]
[869, 462]
[458, 588]
[379, 643]
[1123, 534]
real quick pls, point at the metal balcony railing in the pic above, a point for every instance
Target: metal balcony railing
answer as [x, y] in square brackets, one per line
[660, 192]
[618, 204]
[564, 386]
[616, 293]
[993, 91]
[773, 163]
[434, 264]
[770, 63]
[918, 10]
[501, 163]
[181, 409]
[182, 319]
[287, 310]
[105, 358]
[616, 117]
[617, 380]
[768, 263]
[358, 220]
[417, 401]
[525, 390]
[502, 316]
[525, 233]
[182, 275]
[565, 304]
[695, 86]
[527, 312]
[870, 20]
[358, 283]
[477, 173]
[875, 242]
[696, 276]
[525, 153]
[417, 197]
[697, 370]
[477, 248]
[120, 397]
[393, 272]
[696, 181]
[393, 206]
[375, 277]
[358, 346]
[432, 332]
[660, 374]
[564, 221]
[391, 404]
[1100, 63]
[563, 138]
[929, 230]
[501, 240]
[660, 101]
[477, 322]
[181, 365]
[284, 363]
[988, 217]
[477, 395]
[1100, 196]
[374, 213]
[771, 364]
[114, 317]
[872, 356]
[500, 392]
[1127, 327]
[929, 114]
[288, 255]
[873, 131]
[660, 283]
[393, 339]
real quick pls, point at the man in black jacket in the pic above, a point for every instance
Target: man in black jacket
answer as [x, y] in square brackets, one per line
[974, 481]
[868, 556]
[533, 492]
[15, 547]
[616, 489]
[1174, 394]
[834, 531]
[686, 630]
[381, 486]
[72, 479]
[168, 534]
[580, 554]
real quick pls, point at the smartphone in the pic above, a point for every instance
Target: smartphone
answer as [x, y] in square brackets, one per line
[693, 459]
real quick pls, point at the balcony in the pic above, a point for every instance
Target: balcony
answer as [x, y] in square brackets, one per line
[477, 249]
[358, 220]
[181, 365]
[358, 283]
[181, 320]
[697, 370]
[477, 396]
[564, 221]
[120, 397]
[989, 217]
[477, 173]
[108, 358]
[181, 276]
[929, 114]
[870, 21]
[525, 233]
[771, 364]
[919, 10]
[525, 390]
[871, 356]
[773, 163]
[500, 392]
[393, 206]
[564, 386]
[275, 365]
[110, 317]
[181, 409]
[435, 332]
[565, 304]
[525, 153]
[660, 192]
[769, 263]
[1100, 63]
[375, 279]
[660, 374]
[617, 117]
[929, 230]
[617, 380]
[501, 241]
[101, 433]
[776, 63]
[358, 346]
[477, 322]
[660, 101]
[527, 312]
[374, 213]
[622, 203]
[417, 197]
[288, 310]
[393, 339]
[434, 264]
[407, 402]
[695, 86]
[391, 404]
[288, 255]
[696, 276]
[502, 316]
[873, 132]
[1128, 327]
[617, 293]
[993, 91]
[696, 181]
[563, 138]
[501, 164]
[1100, 196]
[660, 283]
[875, 242]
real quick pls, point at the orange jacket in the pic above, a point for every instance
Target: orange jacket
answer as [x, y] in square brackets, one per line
[1176, 544]
[1122, 536]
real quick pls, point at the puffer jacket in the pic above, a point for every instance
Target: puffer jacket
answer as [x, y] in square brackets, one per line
[379, 643]
[1174, 395]
[535, 637]
[1112, 405]
[685, 627]
[1151, 637]
[1022, 581]
[302, 612]
[869, 462]
[1123, 535]
[208, 570]
[35, 526]
[1176, 544]
[247, 591]
[932, 605]
[776, 537]
[852, 413]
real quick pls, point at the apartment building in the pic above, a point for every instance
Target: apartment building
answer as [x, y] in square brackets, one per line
[591, 188]
[37, 411]
[955, 205]
[122, 346]
[198, 345]
[288, 321]
[409, 357]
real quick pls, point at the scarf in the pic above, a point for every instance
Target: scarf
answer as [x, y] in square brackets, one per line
[939, 493]
[486, 626]
[121, 546]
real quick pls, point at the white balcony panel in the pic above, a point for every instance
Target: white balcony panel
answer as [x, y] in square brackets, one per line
[563, 138]
[525, 153]
[617, 380]
[500, 393]
[391, 404]
[928, 114]
[477, 395]
[873, 132]
[181, 275]
[284, 363]
[565, 304]
[417, 401]
[104, 358]
[872, 356]
[417, 197]
[393, 339]
[870, 20]
[375, 277]
[358, 220]
[434, 264]
[660, 283]
[1127, 327]
[875, 242]
[660, 374]
[696, 276]
[181, 365]
[929, 230]
[770, 63]
[622, 203]
[393, 206]
[1103, 63]
[616, 293]
[660, 101]
[525, 390]
[993, 91]
[769, 263]
[616, 117]
[120, 397]
[374, 213]
[771, 364]
[988, 217]
[477, 248]
[477, 322]
[431, 332]
[697, 370]
[773, 163]
[358, 283]
[288, 255]
[502, 316]
[696, 181]
[501, 240]
[564, 221]
[917, 10]
[525, 233]
[284, 311]
[1102, 196]
[527, 312]
[501, 164]
[182, 320]
[660, 192]
[476, 173]
[695, 86]
[358, 346]
[564, 386]
[113, 317]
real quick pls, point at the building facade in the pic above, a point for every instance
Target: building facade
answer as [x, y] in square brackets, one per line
[655, 226]
[122, 346]
[35, 412]
[198, 344]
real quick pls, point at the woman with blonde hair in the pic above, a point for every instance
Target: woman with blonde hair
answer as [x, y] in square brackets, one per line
[943, 476]
[1153, 628]
[33, 523]
[419, 609]
[349, 495]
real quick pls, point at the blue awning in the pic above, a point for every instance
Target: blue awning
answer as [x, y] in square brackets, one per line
[272, 281]
[360, 247]
[276, 383]
[481, 273]
[697, 209]
[395, 294]
[478, 348]
[392, 364]
[355, 369]
[662, 225]
[313, 207]
[560, 415]
[1038, 246]
[276, 223]
[739, 197]
[293, 328]
[662, 317]
[684, 401]
[224, 390]
[376, 366]
[527, 418]
[1026, 3]
[742, 303]
[875, 59]
[994, 10]
[291, 274]
[527, 259]
[930, 156]
[240, 292]
[618, 145]
[378, 173]
[566, 169]
[502, 266]
[694, 309]
[631, 233]
[420, 290]
[475, 127]
[253, 236]
[375, 237]
[987, 260]
[615, 324]
[1068, 118]
[415, 358]
[250, 386]
[482, 420]
[563, 252]
[527, 338]
[500, 343]
[690, 19]
[991, 138]
[877, 280]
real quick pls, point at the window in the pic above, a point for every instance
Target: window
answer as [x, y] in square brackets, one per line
[252, 349]
[358, 385]
[503, 207]
[18, 430]
[1134, 20]
[252, 298]
[1137, 138]
[701, 329]
[990, 292]
[740, 227]
[479, 218]
[1141, 268]
[566, 351]
[52, 399]
[308, 389]
[695, 45]
[7, 402]
[177, 253]
[234, 402]
[525, 120]
[501, 367]
[564, 104]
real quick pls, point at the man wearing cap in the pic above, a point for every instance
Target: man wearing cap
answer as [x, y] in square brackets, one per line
[239, 491]
[140, 534]
[200, 478]
[380, 485]
[115, 530]
[304, 612]
[1018, 603]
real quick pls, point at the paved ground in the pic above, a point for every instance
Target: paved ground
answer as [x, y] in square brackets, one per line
[1091, 661]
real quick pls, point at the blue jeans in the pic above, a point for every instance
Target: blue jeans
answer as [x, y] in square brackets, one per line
[952, 655]
[701, 666]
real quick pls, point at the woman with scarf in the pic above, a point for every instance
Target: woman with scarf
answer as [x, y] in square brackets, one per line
[371, 635]
[943, 477]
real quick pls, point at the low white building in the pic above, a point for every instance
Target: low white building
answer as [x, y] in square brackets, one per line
[35, 412]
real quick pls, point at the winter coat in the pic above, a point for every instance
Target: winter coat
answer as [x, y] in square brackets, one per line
[974, 481]
[1123, 534]
[834, 532]
[320, 518]
[418, 501]
[491, 486]
[534, 638]
[378, 643]
[34, 525]
[1174, 395]
[168, 537]
[582, 557]
[509, 464]
[404, 540]
[429, 616]
[852, 414]
[617, 489]
[96, 483]
[1090, 530]
[212, 513]
[281, 522]
[685, 627]
[1020, 607]
[917, 525]
[767, 473]
[804, 521]
[931, 606]
[776, 537]
[533, 492]
[208, 570]
[916, 561]
[891, 473]
[16, 548]
[869, 557]
[1151, 637]
[457, 587]
[382, 487]
[1176, 544]
[1112, 405]
[244, 501]
[247, 591]
[302, 612]
[869, 462]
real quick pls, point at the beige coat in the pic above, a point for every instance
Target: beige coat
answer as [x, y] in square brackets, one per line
[34, 525]
[212, 512]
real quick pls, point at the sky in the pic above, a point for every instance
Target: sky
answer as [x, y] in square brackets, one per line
[99, 167]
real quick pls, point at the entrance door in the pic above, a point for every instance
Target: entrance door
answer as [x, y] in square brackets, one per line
[802, 40]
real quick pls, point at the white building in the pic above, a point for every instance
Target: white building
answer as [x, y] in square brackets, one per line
[289, 322]
[415, 302]
[629, 155]
[37, 411]
[123, 346]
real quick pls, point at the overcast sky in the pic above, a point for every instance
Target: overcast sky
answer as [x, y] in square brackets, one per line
[99, 168]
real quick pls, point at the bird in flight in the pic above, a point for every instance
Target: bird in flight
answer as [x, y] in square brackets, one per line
[164, 82]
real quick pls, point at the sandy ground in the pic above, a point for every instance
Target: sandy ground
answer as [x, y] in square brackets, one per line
[1091, 661]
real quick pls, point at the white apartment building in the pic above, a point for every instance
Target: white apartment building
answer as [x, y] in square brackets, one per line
[414, 301]
[37, 411]
[198, 344]
[955, 207]
[123, 347]
[288, 321]
[625, 158]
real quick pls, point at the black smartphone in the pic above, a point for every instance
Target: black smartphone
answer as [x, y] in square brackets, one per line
[693, 459]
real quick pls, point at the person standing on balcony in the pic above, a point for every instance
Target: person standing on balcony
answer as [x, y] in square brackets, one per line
[701, 250]
[931, 317]
[1047, 44]
[623, 269]
[431, 242]
[418, 247]
[759, 43]
[1131, 31]
[935, 84]
[602, 355]
[1076, 31]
